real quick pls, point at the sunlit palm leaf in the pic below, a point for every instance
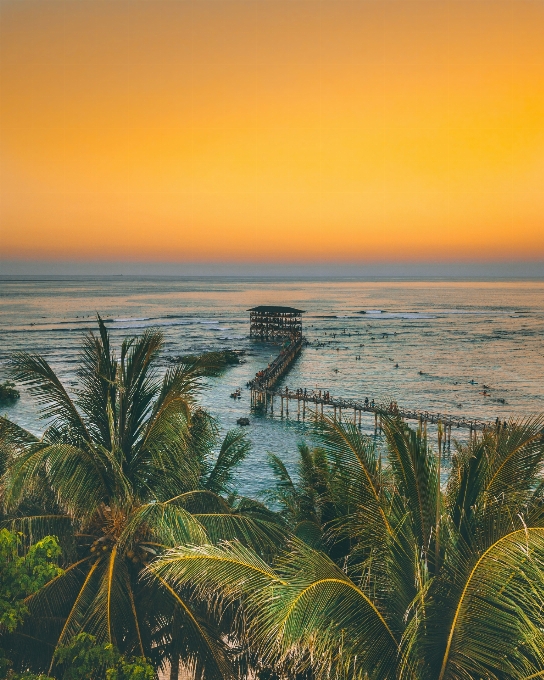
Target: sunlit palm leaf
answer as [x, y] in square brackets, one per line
[496, 627]
[164, 524]
[356, 457]
[262, 536]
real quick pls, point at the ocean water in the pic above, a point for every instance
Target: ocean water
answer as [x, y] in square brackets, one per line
[427, 345]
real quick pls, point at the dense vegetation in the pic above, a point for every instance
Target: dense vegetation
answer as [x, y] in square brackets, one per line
[368, 567]
[8, 392]
[216, 362]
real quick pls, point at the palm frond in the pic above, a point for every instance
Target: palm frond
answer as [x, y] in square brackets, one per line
[200, 500]
[496, 623]
[494, 482]
[175, 400]
[297, 611]
[262, 536]
[139, 387]
[110, 615]
[162, 523]
[416, 478]
[73, 473]
[14, 435]
[97, 374]
[82, 603]
[355, 455]
[234, 449]
[202, 644]
[321, 615]
[43, 383]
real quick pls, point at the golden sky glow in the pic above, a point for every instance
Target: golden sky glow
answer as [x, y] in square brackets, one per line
[273, 130]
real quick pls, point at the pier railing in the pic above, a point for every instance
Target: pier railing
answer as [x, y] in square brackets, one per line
[266, 379]
[264, 391]
[319, 400]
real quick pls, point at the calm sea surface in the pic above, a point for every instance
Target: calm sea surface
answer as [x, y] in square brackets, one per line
[448, 339]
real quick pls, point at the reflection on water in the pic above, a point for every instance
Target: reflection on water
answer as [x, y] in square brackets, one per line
[463, 348]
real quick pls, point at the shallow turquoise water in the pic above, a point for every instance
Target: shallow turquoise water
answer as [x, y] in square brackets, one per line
[442, 335]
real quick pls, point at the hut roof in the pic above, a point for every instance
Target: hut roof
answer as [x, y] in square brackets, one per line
[274, 309]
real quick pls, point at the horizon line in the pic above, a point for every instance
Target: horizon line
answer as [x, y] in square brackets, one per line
[452, 270]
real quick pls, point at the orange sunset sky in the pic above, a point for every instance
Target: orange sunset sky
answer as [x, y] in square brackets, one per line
[271, 130]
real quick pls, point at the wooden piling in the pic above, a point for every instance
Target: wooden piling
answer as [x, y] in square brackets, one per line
[263, 396]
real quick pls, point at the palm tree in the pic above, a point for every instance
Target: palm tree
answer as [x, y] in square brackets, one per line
[436, 583]
[304, 501]
[125, 469]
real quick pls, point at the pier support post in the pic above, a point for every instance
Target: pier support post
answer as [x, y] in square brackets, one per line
[303, 409]
[281, 406]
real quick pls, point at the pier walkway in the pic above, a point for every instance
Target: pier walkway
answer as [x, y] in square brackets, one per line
[351, 410]
[264, 392]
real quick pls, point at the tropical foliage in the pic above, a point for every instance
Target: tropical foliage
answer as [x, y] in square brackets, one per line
[430, 583]
[84, 658]
[22, 573]
[125, 469]
[8, 392]
[378, 562]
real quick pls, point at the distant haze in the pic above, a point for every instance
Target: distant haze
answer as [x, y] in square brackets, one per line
[272, 130]
[473, 271]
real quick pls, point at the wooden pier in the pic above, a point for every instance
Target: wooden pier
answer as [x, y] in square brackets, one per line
[264, 391]
[350, 410]
[267, 379]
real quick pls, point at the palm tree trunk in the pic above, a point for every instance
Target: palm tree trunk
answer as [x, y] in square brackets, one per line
[174, 652]
[174, 667]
